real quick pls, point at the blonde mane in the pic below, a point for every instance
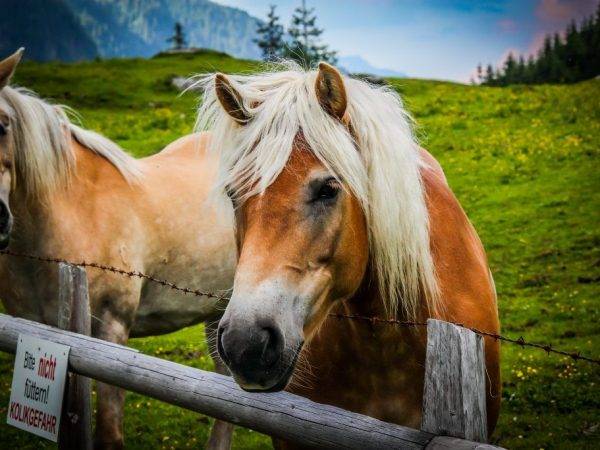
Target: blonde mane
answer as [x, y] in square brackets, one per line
[41, 143]
[381, 167]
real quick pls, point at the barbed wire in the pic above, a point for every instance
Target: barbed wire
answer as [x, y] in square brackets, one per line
[576, 356]
[106, 268]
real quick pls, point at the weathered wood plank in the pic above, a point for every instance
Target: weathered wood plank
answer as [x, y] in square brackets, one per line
[74, 315]
[65, 296]
[454, 391]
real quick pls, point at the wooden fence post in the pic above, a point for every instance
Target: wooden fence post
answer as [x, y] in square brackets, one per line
[454, 391]
[74, 315]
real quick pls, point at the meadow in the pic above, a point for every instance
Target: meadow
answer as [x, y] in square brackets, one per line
[522, 160]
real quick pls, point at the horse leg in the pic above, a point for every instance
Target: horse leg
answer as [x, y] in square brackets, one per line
[221, 432]
[111, 400]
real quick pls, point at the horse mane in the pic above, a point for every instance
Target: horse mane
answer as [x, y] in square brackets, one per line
[41, 143]
[379, 162]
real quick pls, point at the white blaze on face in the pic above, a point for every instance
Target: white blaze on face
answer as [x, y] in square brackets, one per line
[274, 299]
[262, 331]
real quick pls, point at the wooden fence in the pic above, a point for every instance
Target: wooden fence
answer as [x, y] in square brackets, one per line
[454, 413]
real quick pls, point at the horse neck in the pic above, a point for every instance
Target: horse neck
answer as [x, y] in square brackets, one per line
[36, 216]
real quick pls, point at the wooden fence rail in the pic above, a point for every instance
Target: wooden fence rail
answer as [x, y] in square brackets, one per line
[280, 414]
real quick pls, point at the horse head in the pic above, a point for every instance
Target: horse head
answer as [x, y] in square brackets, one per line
[7, 69]
[303, 246]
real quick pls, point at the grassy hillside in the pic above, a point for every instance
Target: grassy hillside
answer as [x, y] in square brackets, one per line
[522, 160]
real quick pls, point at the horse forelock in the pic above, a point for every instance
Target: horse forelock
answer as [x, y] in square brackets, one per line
[41, 143]
[378, 161]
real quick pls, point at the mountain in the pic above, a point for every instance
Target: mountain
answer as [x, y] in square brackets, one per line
[142, 27]
[48, 30]
[70, 30]
[357, 64]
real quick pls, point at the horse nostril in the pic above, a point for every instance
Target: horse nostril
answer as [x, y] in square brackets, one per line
[220, 348]
[4, 218]
[3, 213]
[272, 342]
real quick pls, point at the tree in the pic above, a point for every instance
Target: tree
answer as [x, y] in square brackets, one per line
[305, 47]
[510, 69]
[556, 62]
[480, 78]
[271, 37]
[178, 39]
[521, 70]
[489, 75]
[574, 53]
[530, 70]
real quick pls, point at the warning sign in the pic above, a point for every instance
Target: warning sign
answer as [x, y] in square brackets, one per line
[38, 386]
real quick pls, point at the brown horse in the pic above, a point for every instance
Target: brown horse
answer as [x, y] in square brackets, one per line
[76, 195]
[339, 211]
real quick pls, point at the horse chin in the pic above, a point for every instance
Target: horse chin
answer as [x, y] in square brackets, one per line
[4, 241]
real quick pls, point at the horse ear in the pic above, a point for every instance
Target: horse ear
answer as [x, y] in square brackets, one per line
[8, 66]
[330, 89]
[231, 100]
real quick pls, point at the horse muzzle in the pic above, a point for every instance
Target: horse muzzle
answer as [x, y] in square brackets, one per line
[256, 355]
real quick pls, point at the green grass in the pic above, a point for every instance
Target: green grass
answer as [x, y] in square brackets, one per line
[522, 160]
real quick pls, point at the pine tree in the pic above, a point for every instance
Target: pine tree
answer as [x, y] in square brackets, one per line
[543, 69]
[489, 75]
[530, 70]
[178, 39]
[271, 37]
[305, 47]
[575, 53]
[480, 78]
[521, 70]
[587, 36]
[510, 68]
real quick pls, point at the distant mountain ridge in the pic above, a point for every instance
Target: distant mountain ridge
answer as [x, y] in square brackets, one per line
[357, 64]
[142, 27]
[84, 29]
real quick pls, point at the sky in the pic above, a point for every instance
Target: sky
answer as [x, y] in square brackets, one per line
[441, 39]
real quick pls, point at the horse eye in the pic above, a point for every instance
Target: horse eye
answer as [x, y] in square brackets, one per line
[2, 129]
[327, 190]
